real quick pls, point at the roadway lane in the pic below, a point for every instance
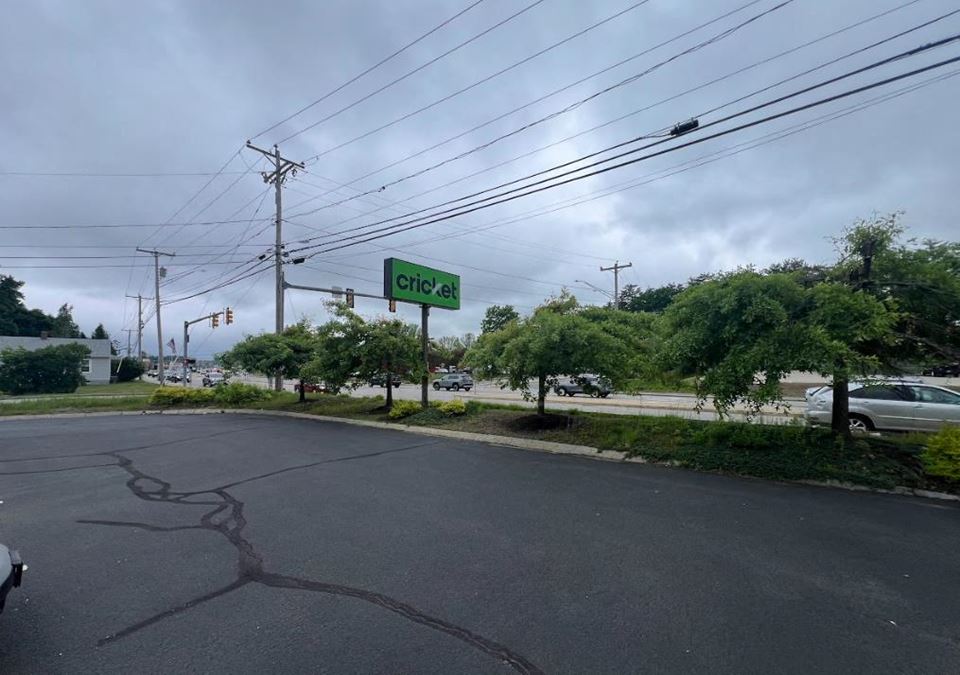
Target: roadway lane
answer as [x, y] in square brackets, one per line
[243, 544]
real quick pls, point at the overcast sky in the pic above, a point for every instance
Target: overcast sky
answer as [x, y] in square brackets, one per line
[166, 87]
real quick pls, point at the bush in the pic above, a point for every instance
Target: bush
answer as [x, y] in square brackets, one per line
[51, 370]
[238, 393]
[452, 408]
[941, 456]
[126, 369]
[404, 408]
[181, 396]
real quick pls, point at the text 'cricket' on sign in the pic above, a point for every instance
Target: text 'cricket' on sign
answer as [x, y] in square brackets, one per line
[409, 282]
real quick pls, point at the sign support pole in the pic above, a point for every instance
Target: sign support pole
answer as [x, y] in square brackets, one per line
[425, 344]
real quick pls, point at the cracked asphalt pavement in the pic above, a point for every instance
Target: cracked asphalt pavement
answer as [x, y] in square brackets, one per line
[241, 544]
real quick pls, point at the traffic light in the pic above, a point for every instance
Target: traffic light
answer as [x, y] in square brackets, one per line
[228, 316]
[215, 320]
[350, 298]
[393, 305]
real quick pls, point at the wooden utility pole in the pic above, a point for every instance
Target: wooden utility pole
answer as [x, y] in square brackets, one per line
[156, 278]
[616, 280]
[281, 167]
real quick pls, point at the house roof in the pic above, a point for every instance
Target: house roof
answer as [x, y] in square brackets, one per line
[98, 348]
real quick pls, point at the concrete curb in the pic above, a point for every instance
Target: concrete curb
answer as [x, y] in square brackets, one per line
[490, 439]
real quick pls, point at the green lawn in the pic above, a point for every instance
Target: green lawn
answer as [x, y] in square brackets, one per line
[118, 389]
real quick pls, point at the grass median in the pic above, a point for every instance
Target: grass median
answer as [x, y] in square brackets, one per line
[782, 452]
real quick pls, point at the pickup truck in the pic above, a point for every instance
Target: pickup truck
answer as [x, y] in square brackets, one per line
[11, 572]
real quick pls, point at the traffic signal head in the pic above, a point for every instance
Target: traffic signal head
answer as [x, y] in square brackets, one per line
[349, 294]
[393, 305]
[215, 319]
[228, 316]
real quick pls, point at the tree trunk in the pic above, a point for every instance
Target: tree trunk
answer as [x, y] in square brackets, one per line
[542, 394]
[303, 392]
[840, 413]
[389, 382]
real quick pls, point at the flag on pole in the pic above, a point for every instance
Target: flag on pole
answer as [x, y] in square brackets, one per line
[172, 345]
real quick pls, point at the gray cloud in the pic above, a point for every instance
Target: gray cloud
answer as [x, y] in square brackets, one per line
[166, 87]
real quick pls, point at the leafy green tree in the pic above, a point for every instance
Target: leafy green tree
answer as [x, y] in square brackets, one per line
[63, 324]
[497, 317]
[50, 370]
[743, 332]
[553, 342]
[352, 351]
[15, 318]
[99, 333]
[270, 354]
[654, 299]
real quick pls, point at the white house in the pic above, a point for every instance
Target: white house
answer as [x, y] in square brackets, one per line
[97, 367]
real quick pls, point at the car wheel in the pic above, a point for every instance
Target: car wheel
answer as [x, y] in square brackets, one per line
[466, 388]
[455, 387]
[604, 394]
[570, 393]
[436, 387]
[860, 423]
[595, 394]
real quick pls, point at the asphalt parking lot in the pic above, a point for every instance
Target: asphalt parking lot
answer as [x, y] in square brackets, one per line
[242, 544]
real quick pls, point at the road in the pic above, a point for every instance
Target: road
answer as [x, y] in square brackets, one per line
[650, 403]
[246, 544]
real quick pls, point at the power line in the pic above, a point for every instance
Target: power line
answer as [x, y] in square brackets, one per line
[632, 113]
[397, 80]
[94, 174]
[370, 69]
[569, 108]
[483, 80]
[501, 198]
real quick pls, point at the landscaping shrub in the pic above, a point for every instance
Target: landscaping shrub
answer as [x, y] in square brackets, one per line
[126, 370]
[941, 456]
[238, 393]
[403, 409]
[452, 408]
[181, 396]
[50, 370]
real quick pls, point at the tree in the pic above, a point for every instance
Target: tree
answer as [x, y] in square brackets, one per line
[743, 332]
[351, 350]
[274, 355]
[654, 299]
[15, 318]
[100, 333]
[126, 369]
[50, 370]
[554, 341]
[63, 324]
[497, 317]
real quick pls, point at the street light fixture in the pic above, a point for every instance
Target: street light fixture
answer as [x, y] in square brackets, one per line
[596, 288]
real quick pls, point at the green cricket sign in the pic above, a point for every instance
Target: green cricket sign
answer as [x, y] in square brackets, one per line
[408, 282]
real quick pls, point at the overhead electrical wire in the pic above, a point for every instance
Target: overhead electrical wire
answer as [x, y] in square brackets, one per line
[572, 106]
[483, 80]
[909, 53]
[370, 69]
[507, 196]
[401, 78]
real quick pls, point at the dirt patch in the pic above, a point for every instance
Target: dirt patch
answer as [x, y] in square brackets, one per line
[543, 423]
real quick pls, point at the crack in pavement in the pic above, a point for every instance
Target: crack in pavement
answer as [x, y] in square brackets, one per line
[227, 519]
[64, 468]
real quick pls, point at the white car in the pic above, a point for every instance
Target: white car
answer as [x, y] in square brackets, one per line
[11, 572]
[897, 405]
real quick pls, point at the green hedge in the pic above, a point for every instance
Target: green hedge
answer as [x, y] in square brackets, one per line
[50, 370]
[941, 456]
[404, 408]
[235, 393]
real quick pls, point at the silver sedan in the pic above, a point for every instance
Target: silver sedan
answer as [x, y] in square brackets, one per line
[899, 405]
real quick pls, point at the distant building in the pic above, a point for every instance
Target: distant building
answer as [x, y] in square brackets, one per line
[97, 367]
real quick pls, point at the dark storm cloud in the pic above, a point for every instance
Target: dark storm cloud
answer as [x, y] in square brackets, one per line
[159, 87]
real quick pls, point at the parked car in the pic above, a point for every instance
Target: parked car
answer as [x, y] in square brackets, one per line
[596, 387]
[943, 370]
[380, 380]
[896, 405]
[309, 388]
[175, 377]
[212, 379]
[153, 373]
[454, 381]
[11, 572]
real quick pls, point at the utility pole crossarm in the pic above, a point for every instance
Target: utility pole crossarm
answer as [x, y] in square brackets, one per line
[615, 268]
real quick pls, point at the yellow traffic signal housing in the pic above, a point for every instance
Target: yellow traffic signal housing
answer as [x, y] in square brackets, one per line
[228, 316]
[393, 305]
[349, 293]
[215, 320]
